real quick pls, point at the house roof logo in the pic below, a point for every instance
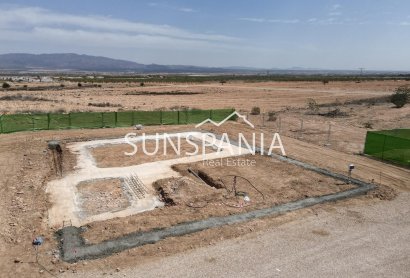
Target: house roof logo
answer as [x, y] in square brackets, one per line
[243, 117]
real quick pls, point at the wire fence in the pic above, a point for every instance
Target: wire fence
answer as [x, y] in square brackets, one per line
[324, 131]
[50, 121]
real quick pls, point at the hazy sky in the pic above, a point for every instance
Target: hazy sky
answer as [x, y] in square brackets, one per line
[374, 34]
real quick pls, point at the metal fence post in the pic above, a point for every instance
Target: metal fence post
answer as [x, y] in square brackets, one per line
[328, 135]
[32, 123]
[384, 143]
[48, 121]
[301, 129]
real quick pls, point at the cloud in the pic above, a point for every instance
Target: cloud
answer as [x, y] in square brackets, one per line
[186, 10]
[335, 13]
[336, 6]
[265, 20]
[169, 7]
[38, 30]
[28, 18]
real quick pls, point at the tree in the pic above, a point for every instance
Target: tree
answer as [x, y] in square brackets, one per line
[400, 97]
[6, 85]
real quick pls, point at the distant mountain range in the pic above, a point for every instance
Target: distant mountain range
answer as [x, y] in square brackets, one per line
[75, 62]
[70, 62]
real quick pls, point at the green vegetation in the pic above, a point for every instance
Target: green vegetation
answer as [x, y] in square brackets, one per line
[400, 97]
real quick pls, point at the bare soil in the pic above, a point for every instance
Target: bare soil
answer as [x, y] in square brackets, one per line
[103, 195]
[114, 155]
[240, 95]
[26, 165]
[192, 199]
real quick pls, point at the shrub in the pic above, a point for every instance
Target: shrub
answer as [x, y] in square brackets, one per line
[400, 97]
[271, 116]
[335, 113]
[60, 111]
[255, 110]
[312, 105]
[368, 125]
[5, 85]
[104, 104]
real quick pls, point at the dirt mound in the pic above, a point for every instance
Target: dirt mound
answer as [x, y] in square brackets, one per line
[383, 192]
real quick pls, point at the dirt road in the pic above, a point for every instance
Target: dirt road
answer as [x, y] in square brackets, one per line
[349, 241]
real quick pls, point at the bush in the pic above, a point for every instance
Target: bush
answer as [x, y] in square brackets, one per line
[6, 85]
[104, 104]
[312, 105]
[255, 110]
[400, 97]
[271, 116]
[368, 125]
